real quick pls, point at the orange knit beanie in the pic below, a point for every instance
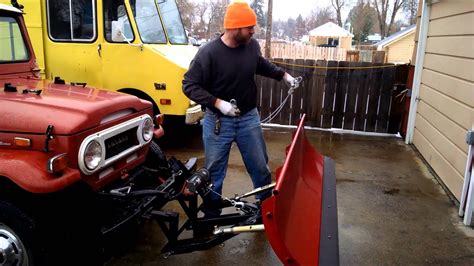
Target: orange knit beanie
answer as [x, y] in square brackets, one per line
[239, 15]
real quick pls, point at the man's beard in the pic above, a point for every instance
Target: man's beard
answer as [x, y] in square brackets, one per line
[241, 39]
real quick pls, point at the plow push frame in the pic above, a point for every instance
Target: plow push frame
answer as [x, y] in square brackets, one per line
[299, 219]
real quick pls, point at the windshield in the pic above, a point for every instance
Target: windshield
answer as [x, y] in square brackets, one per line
[13, 48]
[172, 20]
[148, 21]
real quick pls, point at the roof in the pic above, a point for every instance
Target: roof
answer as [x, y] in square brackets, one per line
[10, 8]
[329, 30]
[395, 37]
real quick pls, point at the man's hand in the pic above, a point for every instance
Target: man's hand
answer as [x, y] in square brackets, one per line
[290, 81]
[226, 108]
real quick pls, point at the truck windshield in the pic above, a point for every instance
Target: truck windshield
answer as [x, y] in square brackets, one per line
[148, 21]
[172, 20]
[13, 48]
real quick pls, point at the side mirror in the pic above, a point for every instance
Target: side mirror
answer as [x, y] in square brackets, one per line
[117, 31]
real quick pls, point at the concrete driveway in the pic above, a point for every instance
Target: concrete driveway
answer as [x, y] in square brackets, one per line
[391, 209]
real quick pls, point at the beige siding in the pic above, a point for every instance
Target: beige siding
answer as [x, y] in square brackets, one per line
[345, 42]
[437, 161]
[450, 8]
[450, 86]
[401, 51]
[454, 25]
[454, 110]
[445, 111]
[451, 45]
[452, 154]
[444, 125]
[453, 66]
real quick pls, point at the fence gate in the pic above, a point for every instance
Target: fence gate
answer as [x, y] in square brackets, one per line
[338, 94]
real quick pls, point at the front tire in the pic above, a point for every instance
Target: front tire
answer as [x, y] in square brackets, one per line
[16, 236]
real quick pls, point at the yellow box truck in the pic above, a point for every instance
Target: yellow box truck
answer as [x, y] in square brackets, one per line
[138, 47]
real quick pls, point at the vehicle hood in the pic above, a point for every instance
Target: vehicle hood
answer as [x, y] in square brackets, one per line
[70, 109]
[181, 55]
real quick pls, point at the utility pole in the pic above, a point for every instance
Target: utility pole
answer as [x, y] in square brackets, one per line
[268, 33]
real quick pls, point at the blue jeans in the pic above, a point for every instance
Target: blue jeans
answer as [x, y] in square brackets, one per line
[246, 131]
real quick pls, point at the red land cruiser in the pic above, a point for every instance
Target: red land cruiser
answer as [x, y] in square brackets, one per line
[61, 147]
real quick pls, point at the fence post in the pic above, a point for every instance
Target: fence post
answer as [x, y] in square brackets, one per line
[386, 89]
[329, 93]
[374, 98]
[360, 115]
[352, 88]
[340, 96]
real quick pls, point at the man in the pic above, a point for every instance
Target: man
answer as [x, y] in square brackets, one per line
[223, 71]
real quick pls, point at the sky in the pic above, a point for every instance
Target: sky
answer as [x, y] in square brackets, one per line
[284, 9]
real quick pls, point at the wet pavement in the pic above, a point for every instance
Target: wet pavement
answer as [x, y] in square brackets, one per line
[391, 209]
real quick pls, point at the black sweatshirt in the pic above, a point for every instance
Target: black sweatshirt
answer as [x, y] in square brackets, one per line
[218, 71]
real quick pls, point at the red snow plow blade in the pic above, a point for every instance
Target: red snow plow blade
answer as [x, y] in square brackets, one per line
[301, 217]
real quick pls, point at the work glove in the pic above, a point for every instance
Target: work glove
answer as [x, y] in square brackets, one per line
[290, 81]
[227, 108]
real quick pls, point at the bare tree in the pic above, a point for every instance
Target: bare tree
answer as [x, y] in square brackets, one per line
[300, 27]
[187, 11]
[200, 26]
[268, 34]
[411, 8]
[257, 6]
[215, 17]
[338, 5]
[320, 16]
[362, 18]
[383, 8]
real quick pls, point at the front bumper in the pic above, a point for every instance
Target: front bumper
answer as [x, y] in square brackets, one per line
[194, 114]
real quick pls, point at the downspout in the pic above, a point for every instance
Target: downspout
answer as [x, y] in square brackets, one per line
[420, 58]
[466, 206]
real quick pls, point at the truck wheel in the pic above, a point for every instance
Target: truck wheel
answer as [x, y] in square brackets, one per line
[156, 162]
[158, 154]
[16, 234]
[156, 158]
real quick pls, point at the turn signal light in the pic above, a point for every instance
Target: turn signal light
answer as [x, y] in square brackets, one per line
[22, 142]
[159, 119]
[165, 101]
[57, 163]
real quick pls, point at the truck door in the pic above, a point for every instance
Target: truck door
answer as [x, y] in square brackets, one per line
[34, 23]
[72, 45]
[125, 52]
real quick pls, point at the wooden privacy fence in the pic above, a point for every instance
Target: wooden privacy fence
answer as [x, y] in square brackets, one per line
[347, 95]
[303, 51]
[371, 56]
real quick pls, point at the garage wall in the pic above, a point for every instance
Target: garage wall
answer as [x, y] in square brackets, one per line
[446, 107]
[401, 51]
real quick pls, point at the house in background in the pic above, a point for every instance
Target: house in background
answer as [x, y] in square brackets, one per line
[399, 46]
[374, 38]
[330, 35]
[442, 102]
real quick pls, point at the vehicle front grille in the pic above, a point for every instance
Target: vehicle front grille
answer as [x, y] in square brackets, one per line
[121, 142]
[116, 142]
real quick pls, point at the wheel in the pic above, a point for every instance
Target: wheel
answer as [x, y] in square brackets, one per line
[157, 153]
[16, 235]
[156, 159]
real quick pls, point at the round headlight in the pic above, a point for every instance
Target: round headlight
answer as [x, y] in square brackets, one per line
[92, 155]
[147, 129]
